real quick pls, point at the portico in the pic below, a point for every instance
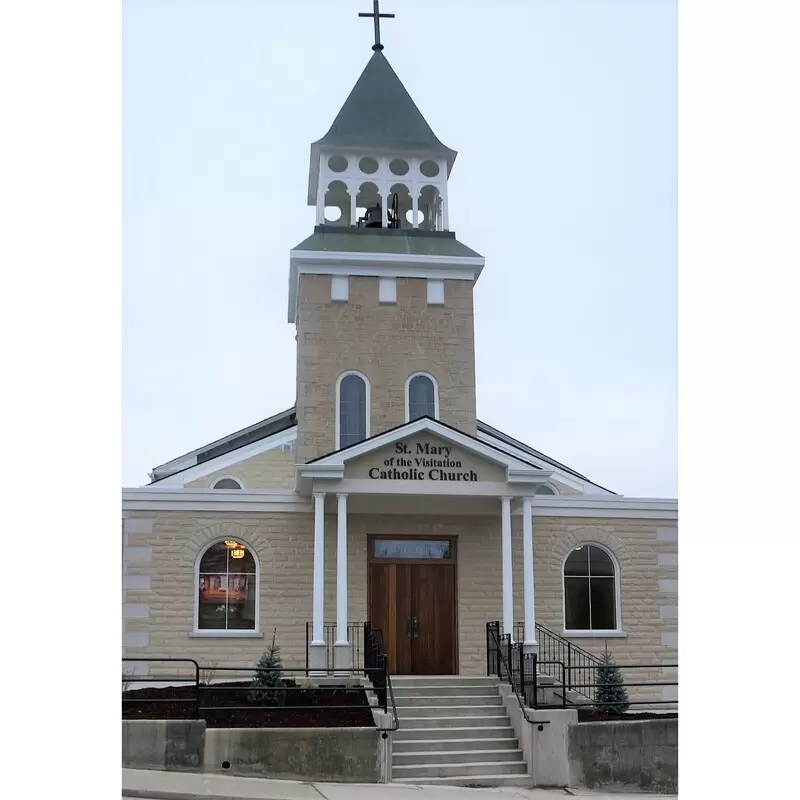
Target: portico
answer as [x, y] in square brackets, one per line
[425, 467]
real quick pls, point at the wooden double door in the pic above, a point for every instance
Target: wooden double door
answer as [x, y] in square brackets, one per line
[412, 600]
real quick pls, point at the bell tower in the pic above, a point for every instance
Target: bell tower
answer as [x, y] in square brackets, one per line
[381, 292]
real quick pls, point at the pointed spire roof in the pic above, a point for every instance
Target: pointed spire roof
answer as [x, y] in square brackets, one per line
[379, 112]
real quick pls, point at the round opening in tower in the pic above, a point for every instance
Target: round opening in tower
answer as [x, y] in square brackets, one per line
[337, 163]
[430, 169]
[398, 166]
[368, 165]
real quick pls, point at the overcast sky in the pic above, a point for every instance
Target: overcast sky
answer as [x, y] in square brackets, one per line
[564, 117]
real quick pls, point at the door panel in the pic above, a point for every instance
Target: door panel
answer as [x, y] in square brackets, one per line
[434, 648]
[404, 644]
[413, 605]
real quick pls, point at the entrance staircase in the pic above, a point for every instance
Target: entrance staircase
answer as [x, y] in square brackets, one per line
[454, 731]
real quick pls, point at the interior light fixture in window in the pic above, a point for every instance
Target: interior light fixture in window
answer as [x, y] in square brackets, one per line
[237, 552]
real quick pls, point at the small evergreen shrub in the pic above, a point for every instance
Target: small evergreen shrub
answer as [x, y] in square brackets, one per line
[268, 687]
[611, 695]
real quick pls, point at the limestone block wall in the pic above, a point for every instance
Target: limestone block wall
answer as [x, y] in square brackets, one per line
[387, 342]
[160, 551]
[273, 469]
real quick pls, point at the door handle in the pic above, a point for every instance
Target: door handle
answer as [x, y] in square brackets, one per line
[414, 627]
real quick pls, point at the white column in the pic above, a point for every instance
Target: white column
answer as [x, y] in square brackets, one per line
[352, 191]
[414, 205]
[527, 565]
[508, 588]
[385, 205]
[318, 637]
[341, 570]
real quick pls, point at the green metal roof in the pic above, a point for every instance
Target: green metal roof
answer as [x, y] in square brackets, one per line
[386, 242]
[379, 113]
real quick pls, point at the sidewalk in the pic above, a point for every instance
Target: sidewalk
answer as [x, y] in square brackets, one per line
[190, 786]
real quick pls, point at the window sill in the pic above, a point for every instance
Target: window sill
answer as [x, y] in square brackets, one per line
[212, 634]
[594, 634]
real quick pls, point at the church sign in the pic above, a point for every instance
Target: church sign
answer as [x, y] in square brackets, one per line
[424, 458]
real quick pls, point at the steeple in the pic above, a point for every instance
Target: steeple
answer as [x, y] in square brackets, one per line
[380, 165]
[380, 114]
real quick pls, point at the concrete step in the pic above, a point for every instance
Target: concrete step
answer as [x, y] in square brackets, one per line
[453, 710]
[450, 699]
[457, 721]
[403, 746]
[411, 732]
[452, 770]
[454, 757]
[488, 781]
[429, 681]
[439, 690]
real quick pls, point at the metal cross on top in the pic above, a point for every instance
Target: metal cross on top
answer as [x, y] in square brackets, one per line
[377, 16]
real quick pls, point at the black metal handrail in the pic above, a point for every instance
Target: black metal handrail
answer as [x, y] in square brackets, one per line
[509, 662]
[580, 665]
[376, 668]
[133, 678]
[599, 704]
[241, 679]
[500, 662]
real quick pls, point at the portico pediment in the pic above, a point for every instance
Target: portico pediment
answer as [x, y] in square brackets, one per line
[424, 456]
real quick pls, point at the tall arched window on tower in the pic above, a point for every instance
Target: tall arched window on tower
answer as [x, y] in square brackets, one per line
[591, 590]
[226, 594]
[422, 397]
[352, 409]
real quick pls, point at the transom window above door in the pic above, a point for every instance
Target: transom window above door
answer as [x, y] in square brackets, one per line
[413, 548]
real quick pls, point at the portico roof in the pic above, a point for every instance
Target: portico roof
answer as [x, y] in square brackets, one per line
[428, 457]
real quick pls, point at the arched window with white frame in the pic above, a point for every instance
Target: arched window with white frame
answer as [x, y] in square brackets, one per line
[422, 396]
[352, 409]
[226, 588]
[591, 590]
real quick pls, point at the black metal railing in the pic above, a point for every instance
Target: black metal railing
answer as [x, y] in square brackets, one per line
[237, 689]
[630, 673]
[355, 640]
[130, 677]
[580, 665]
[500, 662]
[574, 679]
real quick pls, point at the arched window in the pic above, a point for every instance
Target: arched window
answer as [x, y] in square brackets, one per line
[352, 409]
[591, 590]
[227, 483]
[227, 588]
[545, 489]
[422, 397]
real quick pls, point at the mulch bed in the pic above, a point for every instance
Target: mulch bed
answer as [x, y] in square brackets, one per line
[593, 715]
[325, 707]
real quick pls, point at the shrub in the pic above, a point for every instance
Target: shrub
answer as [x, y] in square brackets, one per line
[611, 695]
[268, 687]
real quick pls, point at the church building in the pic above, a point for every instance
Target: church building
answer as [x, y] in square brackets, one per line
[380, 496]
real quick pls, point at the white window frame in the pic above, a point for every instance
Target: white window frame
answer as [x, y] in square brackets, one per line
[229, 478]
[208, 633]
[368, 403]
[596, 633]
[555, 491]
[435, 393]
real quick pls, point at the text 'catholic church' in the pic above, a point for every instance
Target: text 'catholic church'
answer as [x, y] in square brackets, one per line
[380, 496]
